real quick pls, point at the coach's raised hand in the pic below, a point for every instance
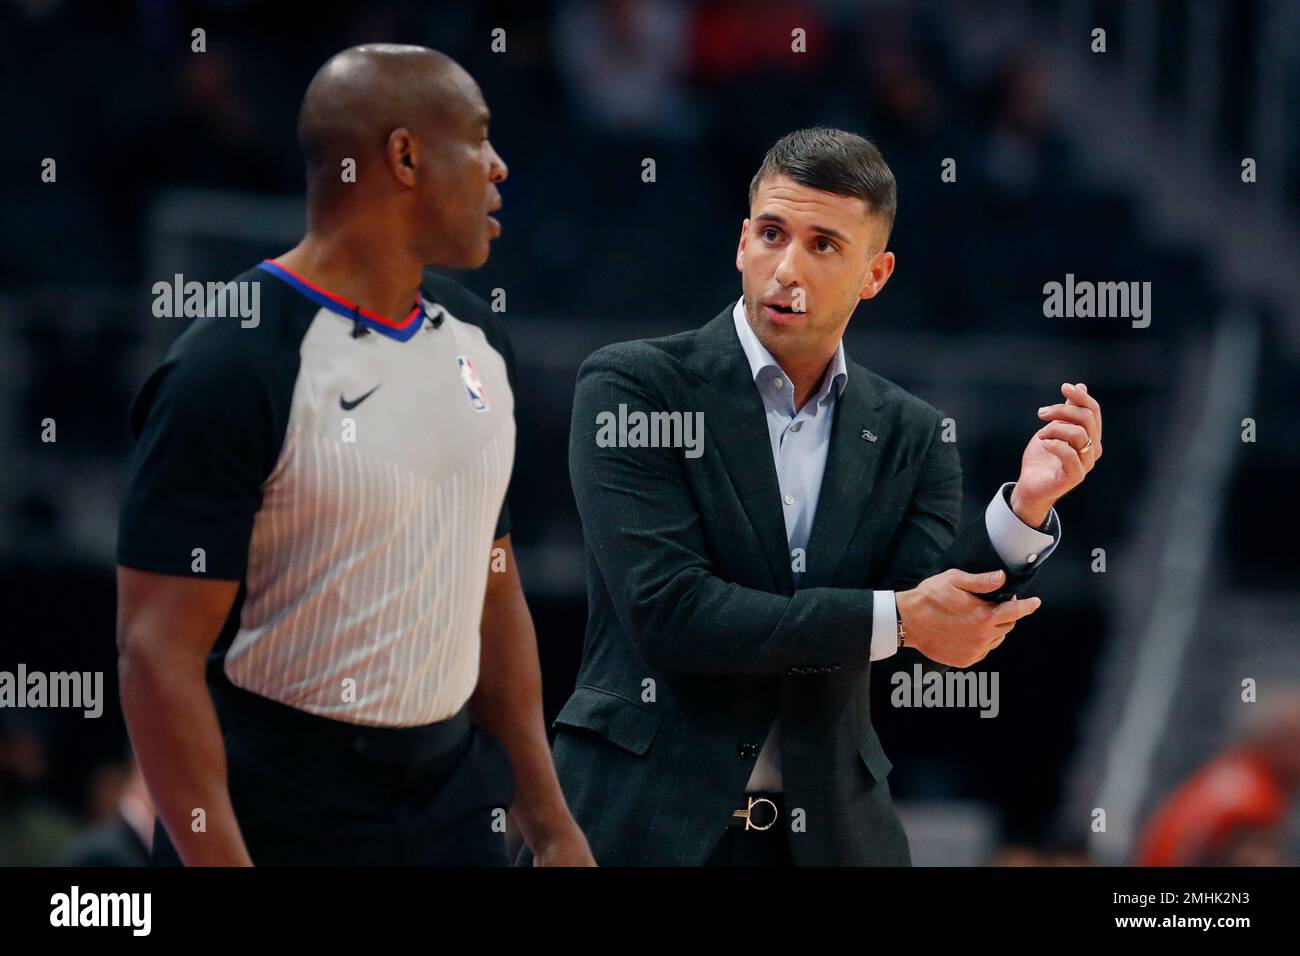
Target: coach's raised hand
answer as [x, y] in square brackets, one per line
[1059, 455]
[947, 621]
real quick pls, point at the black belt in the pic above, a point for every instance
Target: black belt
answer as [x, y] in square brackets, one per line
[761, 811]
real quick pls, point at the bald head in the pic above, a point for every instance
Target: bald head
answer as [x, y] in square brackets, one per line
[364, 93]
[416, 126]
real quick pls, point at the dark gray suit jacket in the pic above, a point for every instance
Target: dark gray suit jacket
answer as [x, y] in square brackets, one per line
[696, 636]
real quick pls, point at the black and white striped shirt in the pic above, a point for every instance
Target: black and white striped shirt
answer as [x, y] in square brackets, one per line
[351, 473]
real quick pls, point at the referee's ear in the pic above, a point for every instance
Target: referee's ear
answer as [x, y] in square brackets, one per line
[400, 151]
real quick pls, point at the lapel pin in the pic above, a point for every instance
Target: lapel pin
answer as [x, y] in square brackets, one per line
[868, 434]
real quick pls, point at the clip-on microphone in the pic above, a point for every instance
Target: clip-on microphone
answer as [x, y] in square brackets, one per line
[358, 329]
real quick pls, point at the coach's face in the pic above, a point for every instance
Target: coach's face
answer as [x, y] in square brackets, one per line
[458, 194]
[806, 258]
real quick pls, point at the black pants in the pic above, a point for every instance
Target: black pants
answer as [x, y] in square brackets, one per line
[310, 790]
[741, 847]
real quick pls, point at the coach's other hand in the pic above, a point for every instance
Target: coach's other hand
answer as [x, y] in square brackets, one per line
[1059, 455]
[947, 622]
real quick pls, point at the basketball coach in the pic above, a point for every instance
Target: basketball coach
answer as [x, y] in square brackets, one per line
[739, 590]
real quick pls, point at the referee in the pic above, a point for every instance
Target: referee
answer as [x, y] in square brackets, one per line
[325, 652]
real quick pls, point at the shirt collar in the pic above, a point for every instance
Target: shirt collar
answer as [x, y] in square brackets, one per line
[760, 358]
[402, 331]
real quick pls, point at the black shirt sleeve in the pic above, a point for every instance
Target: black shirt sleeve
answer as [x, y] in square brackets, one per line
[209, 424]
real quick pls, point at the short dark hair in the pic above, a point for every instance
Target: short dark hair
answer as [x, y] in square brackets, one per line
[833, 161]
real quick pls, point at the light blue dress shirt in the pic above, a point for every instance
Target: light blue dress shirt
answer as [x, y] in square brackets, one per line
[801, 440]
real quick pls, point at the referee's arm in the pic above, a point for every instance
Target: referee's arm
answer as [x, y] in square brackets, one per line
[166, 626]
[508, 704]
[209, 423]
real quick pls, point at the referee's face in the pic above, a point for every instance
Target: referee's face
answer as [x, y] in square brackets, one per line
[455, 225]
[806, 258]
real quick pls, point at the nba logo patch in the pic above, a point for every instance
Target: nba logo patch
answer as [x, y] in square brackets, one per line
[477, 398]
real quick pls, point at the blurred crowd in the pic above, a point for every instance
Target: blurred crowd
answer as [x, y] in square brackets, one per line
[584, 92]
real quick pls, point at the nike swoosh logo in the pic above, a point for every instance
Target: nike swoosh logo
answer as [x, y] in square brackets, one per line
[348, 406]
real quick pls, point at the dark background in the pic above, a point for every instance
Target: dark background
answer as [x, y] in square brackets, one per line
[1115, 166]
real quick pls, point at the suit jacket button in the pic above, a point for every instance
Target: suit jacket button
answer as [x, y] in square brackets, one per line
[748, 750]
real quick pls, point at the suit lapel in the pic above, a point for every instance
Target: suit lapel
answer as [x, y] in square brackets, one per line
[858, 443]
[736, 422]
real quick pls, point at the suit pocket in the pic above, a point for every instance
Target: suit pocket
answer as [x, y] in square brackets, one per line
[873, 755]
[618, 720]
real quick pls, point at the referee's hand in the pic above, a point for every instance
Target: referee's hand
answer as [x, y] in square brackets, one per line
[568, 848]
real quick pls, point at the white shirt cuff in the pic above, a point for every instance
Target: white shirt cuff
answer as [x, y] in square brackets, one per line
[1019, 546]
[884, 625]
